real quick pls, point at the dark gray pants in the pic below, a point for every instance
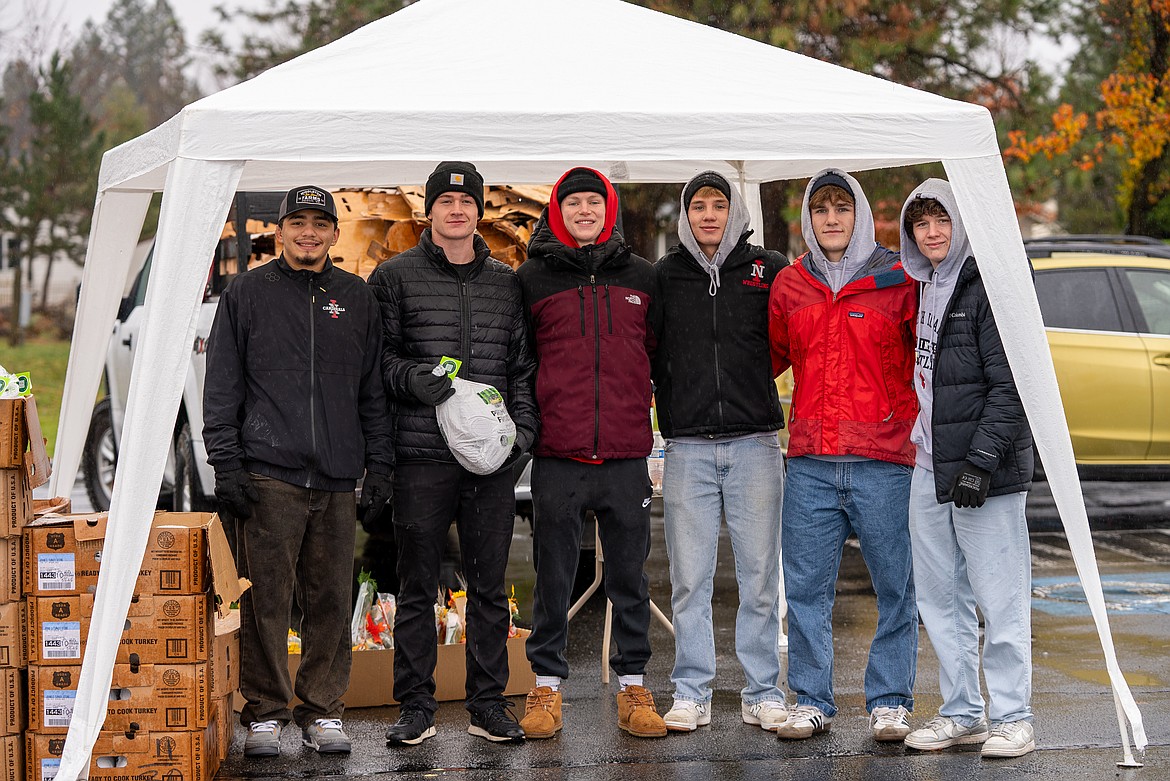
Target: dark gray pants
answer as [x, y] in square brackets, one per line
[297, 540]
[618, 491]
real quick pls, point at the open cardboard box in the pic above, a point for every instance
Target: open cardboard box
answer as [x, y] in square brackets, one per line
[371, 678]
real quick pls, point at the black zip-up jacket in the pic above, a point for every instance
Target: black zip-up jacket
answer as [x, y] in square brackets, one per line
[592, 311]
[713, 368]
[293, 388]
[429, 312]
[977, 415]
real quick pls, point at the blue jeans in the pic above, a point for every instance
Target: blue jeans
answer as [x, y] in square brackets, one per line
[823, 502]
[702, 483]
[965, 557]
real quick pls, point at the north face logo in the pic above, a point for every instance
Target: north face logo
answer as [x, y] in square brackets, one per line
[634, 299]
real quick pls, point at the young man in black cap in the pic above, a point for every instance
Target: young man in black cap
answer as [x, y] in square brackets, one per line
[447, 297]
[592, 305]
[294, 413]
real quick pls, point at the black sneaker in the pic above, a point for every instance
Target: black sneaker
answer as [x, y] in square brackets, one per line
[497, 724]
[414, 725]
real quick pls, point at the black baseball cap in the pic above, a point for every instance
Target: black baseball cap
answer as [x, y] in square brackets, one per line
[307, 197]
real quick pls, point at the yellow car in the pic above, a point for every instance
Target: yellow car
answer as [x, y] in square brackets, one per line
[1106, 308]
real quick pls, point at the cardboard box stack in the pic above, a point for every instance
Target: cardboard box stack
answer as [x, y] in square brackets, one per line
[173, 674]
[24, 465]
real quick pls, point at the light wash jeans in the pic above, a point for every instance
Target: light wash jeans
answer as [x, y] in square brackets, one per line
[965, 557]
[742, 480]
[823, 502]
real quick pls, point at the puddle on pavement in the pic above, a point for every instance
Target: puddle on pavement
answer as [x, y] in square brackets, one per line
[1143, 593]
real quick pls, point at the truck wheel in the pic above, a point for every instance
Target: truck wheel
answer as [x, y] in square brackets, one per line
[99, 459]
[187, 498]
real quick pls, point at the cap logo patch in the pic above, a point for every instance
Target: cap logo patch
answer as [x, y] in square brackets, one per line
[457, 179]
[309, 197]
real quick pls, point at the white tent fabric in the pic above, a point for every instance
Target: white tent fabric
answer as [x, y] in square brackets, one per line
[604, 84]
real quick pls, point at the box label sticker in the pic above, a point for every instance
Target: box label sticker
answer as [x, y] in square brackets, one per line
[56, 572]
[61, 640]
[59, 707]
[49, 768]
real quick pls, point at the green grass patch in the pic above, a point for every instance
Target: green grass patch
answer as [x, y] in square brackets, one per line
[46, 360]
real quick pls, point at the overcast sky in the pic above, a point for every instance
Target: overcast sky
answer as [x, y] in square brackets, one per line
[58, 22]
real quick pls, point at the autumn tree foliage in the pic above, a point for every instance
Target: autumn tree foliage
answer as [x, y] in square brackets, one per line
[1129, 127]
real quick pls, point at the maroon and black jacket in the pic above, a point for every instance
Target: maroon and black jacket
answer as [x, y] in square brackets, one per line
[592, 312]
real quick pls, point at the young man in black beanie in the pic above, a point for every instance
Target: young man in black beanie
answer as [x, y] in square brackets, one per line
[592, 306]
[719, 411]
[447, 297]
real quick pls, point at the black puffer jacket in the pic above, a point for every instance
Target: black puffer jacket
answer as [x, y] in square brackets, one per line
[978, 415]
[713, 368]
[293, 385]
[428, 312]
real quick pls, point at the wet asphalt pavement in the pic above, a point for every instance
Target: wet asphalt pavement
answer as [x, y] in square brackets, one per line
[1077, 733]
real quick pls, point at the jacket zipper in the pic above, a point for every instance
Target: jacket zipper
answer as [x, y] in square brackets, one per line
[581, 295]
[312, 374]
[608, 308]
[465, 327]
[715, 341]
[596, 368]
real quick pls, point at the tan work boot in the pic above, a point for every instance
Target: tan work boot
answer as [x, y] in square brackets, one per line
[636, 713]
[542, 713]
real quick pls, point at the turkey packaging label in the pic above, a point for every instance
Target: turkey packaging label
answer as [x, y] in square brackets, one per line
[477, 427]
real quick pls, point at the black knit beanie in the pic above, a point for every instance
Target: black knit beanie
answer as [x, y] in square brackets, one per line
[454, 176]
[831, 178]
[581, 180]
[705, 179]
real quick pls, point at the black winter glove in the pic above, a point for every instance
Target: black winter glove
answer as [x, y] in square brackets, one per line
[428, 388]
[377, 491]
[235, 493]
[523, 445]
[971, 486]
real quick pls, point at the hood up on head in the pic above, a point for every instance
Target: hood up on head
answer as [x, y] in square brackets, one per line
[916, 264]
[861, 244]
[556, 220]
[737, 224]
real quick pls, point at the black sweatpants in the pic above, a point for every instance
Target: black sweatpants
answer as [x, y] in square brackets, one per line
[618, 491]
[427, 498]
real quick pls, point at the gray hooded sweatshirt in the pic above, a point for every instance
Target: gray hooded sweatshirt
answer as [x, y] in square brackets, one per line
[861, 244]
[937, 289]
[737, 223]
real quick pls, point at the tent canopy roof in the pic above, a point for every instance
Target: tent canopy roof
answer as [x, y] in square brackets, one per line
[649, 97]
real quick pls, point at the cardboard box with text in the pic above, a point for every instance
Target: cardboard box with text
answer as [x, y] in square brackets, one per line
[154, 697]
[163, 629]
[119, 756]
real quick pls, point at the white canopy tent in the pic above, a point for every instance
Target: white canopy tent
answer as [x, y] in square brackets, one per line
[634, 93]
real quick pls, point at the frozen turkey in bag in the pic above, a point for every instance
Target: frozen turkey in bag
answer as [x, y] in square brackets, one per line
[476, 425]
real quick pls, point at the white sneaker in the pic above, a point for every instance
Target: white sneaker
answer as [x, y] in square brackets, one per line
[804, 721]
[889, 724]
[766, 714]
[943, 732]
[1010, 739]
[686, 715]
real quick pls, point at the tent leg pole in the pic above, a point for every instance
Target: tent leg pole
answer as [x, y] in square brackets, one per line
[1127, 759]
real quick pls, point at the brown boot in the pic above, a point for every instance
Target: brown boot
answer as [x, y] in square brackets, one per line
[636, 713]
[542, 713]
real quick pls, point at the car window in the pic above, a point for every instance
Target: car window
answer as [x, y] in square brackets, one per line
[1152, 290]
[1078, 298]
